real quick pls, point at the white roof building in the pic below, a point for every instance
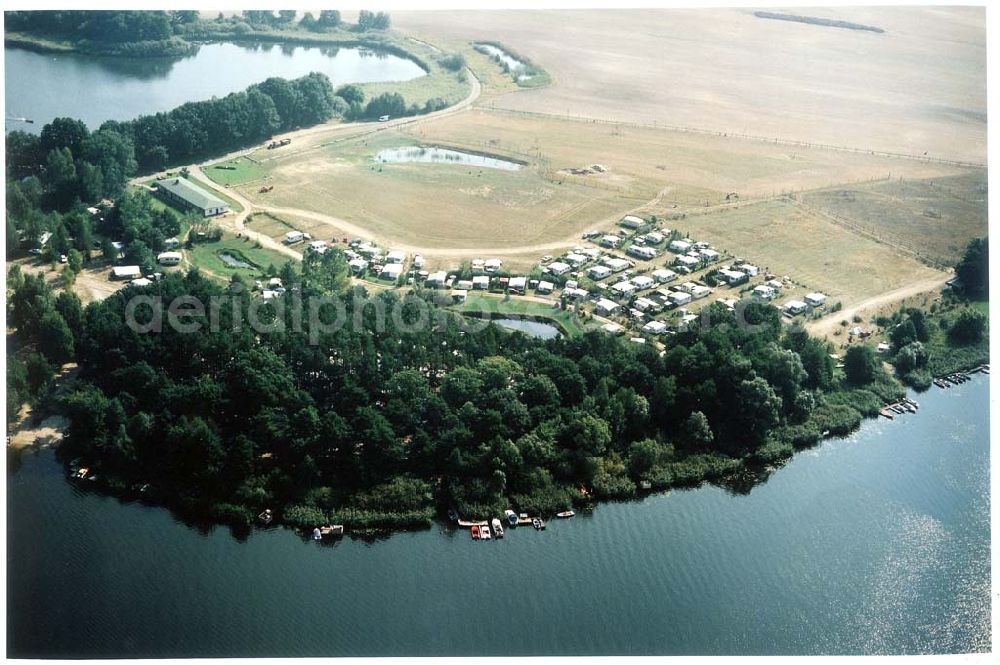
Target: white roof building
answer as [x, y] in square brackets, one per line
[599, 272]
[481, 282]
[643, 282]
[679, 246]
[623, 289]
[392, 271]
[464, 284]
[655, 328]
[733, 276]
[418, 261]
[492, 265]
[577, 260]
[764, 291]
[545, 287]
[358, 266]
[749, 269]
[126, 272]
[663, 275]
[641, 252]
[794, 307]
[610, 241]
[517, 283]
[688, 261]
[437, 278]
[632, 222]
[709, 254]
[815, 299]
[616, 264]
[395, 256]
[654, 237]
[559, 268]
[607, 307]
[680, 298]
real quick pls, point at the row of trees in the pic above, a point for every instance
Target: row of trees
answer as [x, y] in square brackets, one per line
[234, 423]
[120, 27]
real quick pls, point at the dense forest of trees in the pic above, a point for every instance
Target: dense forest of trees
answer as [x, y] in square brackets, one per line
[378, 427]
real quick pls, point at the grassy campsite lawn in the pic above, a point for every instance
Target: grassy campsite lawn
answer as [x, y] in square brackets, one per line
[206, 255]
[815, 253]
[236, 172]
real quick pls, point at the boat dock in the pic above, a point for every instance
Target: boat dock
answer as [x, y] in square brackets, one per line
[906, 405]
[956, 378]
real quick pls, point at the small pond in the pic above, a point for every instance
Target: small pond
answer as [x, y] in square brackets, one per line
[498, 54]
[533, 328]
[444, 156]
[233, 261]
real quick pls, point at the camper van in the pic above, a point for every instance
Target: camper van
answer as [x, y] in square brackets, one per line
[293, 237]
[383, 118]
[168, 258]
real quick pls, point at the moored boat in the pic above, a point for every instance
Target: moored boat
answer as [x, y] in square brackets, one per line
[475, 532]
[510, 516]
[538, 523]
[566, 514]
[452, 514]
[317, 534]
[332, 530]
[266, 516]
[484, 533]
[497, 527]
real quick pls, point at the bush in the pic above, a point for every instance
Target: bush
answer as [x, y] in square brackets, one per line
[453, 62]
[304, 516]
[229, 513]
[837, 419]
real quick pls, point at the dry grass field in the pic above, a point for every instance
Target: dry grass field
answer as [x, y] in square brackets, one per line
[918, 87]
[814, 252]
[936, 217]
[434, 206]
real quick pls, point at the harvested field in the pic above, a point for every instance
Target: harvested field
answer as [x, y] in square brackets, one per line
[919, 87]
[936, 217]
[815, 253]
[699, 168]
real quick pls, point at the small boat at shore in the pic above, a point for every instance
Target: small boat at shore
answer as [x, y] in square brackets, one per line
[510, 516]
[332, 530]
[497, 527]
[452, 514]
[566, 514]
[475, 532]
[484, 533]
[317, 534]
[266, 517]
[538, 523]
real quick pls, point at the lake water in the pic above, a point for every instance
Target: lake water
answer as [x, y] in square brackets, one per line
[444, 156]
[233, 262]
[874, 544]
[43, 86]
[533, 328]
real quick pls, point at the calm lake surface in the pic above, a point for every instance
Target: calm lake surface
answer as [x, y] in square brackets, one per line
[874, 544]
[43, 86]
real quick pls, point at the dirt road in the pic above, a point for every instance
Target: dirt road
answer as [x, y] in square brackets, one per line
[882, 303]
